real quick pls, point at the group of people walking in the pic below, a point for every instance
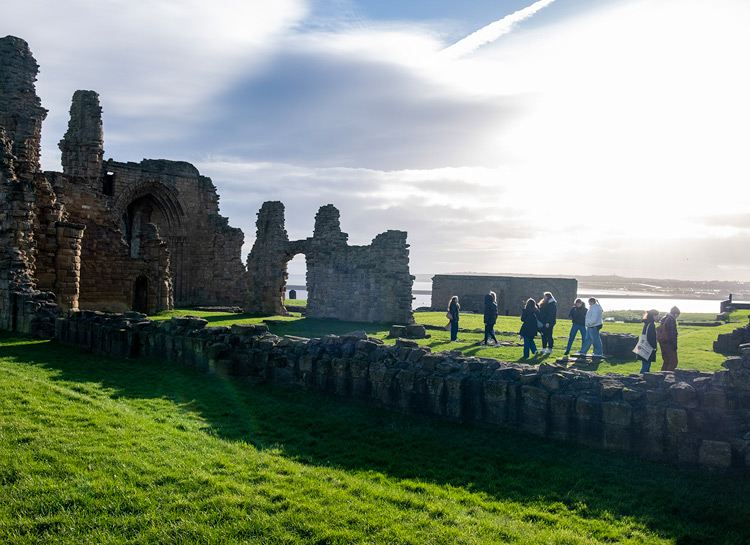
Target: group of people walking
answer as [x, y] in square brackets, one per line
[540, 318]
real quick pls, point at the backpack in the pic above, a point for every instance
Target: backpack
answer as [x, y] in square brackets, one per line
[661, 334]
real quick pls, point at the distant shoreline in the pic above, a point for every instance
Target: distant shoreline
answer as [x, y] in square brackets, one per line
[601, 293]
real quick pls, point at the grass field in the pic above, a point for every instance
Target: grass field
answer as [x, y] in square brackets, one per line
[695, 342]
[105, 451]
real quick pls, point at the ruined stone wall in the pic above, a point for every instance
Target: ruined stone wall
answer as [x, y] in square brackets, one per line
[512, 292]
[357, 283]
[688, 418]
[21, 112]
[730, 343]
[354, 283]
[116, 201]
[267, 262]
[36, 255]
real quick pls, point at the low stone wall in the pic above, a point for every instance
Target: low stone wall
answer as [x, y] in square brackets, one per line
[688, 418]
[730, 343]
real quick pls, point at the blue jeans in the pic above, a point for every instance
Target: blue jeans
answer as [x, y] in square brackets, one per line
[454, 330]
[592, 337]
[573, 332]
[645, 365]
[528, 345]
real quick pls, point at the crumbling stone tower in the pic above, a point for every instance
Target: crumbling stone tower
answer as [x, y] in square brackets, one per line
[39, 249]
[355, 283]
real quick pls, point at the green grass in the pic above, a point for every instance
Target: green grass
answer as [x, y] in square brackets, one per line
[101, 450]
[695, 349]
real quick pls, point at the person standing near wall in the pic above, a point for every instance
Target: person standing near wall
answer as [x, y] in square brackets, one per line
[668, 342]
[548, 317]
[577, 315]
[490, 317]
[453, 310]
[649, 329]
[529, 327]
[593, 325]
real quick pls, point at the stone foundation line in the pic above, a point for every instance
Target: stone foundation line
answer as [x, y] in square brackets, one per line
[687, 418]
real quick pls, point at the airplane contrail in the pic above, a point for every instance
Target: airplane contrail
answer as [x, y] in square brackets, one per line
[493, 31]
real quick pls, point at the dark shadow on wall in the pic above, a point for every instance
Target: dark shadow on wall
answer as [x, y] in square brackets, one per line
[687, 508]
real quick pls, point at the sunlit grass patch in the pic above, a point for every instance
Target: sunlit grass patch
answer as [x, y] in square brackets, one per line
[101, 450]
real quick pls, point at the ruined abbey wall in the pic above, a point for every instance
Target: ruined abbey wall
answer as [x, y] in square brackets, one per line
[354, 283]
[118, 236]
[512, 292]
[39, 249]
[129, 208]
[101, 234]
[689, 418]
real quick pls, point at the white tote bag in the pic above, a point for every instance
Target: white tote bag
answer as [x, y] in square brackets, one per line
[643, 349]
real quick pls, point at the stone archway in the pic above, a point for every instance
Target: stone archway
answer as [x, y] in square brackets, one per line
[152, 202]
[149, 202]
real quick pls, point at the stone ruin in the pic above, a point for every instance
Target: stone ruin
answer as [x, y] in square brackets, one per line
[730, 344]
[113, 236]
[355, 283]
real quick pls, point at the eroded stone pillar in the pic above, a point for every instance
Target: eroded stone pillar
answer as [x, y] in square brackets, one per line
[68, 264]
[83, 145]
[267, 262]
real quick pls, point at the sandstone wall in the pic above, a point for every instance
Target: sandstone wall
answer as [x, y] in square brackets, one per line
[512, 292]
[687, 418]
[354, 283]
[116, 201]
[357, 283]
[39, 250]
[21, 112]
[102, 234]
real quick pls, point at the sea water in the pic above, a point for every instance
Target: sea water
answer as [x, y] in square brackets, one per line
[609, 301]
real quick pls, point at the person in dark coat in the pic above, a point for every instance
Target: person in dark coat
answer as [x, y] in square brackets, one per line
[669, 346]
[490, 317]
[577, 315]
[453, 308]
[529, 327]
[649, 329]
[548, 317]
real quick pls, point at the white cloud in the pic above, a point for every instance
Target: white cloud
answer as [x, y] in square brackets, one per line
[493, 31]
[559, 148]
[145, 59]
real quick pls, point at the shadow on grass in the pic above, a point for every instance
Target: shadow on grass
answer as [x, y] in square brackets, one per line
[688, 508]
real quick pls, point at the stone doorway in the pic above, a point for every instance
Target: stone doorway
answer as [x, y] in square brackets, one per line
[141, 294]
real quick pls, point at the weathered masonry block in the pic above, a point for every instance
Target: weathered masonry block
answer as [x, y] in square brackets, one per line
[690, 419]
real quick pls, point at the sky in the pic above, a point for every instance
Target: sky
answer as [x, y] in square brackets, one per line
[556, 137]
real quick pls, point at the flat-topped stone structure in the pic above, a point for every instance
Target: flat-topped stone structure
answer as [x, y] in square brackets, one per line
[512, 292]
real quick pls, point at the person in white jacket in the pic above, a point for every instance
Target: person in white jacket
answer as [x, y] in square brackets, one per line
[593, 325]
